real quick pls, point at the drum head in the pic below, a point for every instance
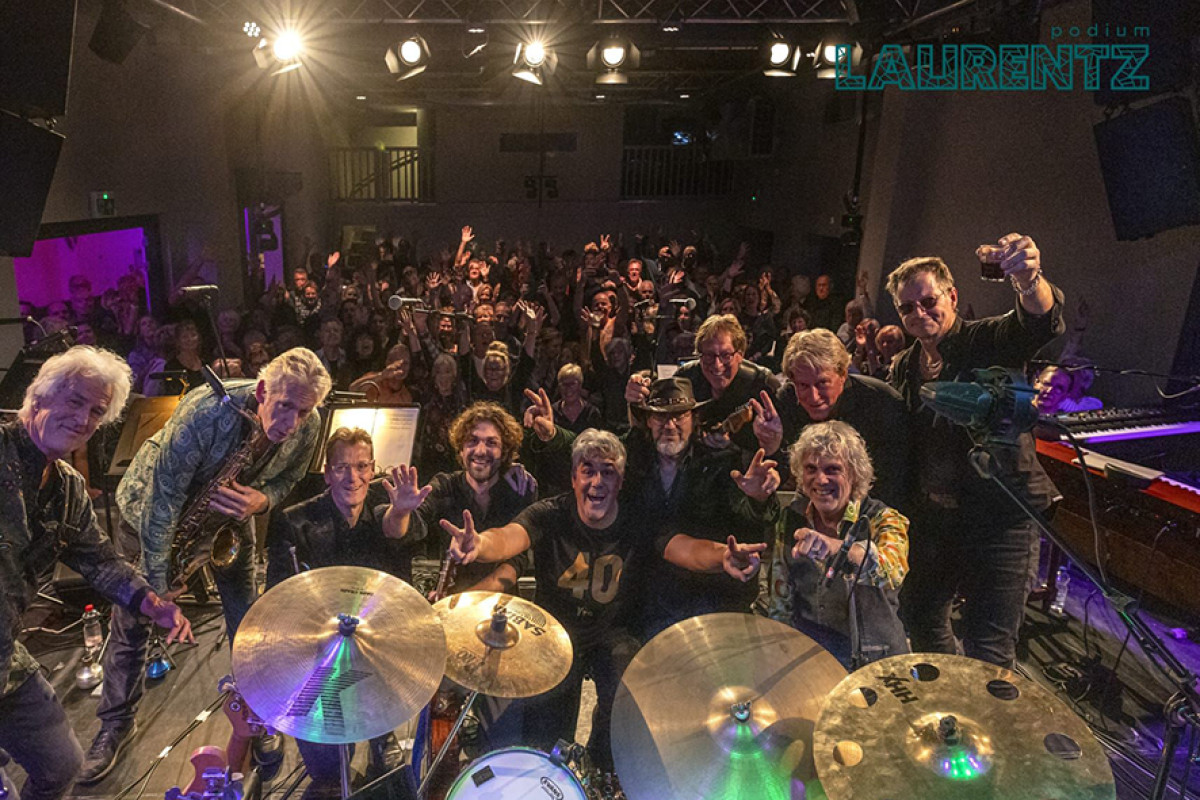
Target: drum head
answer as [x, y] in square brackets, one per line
[515, 773]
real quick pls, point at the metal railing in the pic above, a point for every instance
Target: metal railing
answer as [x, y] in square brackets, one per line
[673, 171]
[382, 175]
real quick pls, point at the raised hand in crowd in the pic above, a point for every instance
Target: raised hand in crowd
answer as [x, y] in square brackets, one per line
[464, 541]
[404, 490]
[768, 427]
[761, 478]
[741, 561]
[467, 234]
[540, 415]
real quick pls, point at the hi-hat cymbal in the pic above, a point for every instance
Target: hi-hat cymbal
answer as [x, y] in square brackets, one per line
[308, 669]
[721, 706]
[939, 726]
[526, 653]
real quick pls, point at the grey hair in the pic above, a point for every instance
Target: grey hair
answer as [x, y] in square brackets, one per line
[81, 361]
[446, 358]
[300, 367]
[914, 267]
[603, 445]
[818, 348]
[835, 439]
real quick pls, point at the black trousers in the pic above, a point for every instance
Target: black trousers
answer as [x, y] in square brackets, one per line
[985, 553]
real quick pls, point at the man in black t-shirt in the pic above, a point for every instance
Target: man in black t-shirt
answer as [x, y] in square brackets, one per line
[582, 542]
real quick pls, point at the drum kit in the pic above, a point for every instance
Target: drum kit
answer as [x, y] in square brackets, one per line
[717, 706]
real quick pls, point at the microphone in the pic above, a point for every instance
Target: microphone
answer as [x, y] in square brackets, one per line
[642, 303]
[997, 407]
[16, 321]
[836, 564]
[202, 292]
[689, 302]
[214, 383]
[396, 301]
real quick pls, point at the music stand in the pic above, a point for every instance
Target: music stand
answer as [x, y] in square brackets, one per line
[146, 416]
[393, 428]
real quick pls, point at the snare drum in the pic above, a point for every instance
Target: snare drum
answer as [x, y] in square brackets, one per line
[516, 773]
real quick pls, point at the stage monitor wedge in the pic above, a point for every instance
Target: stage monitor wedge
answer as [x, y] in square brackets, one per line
[35, 56]
[28, 156]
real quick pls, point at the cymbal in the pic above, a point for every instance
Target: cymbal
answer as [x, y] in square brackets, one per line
[308, 669]
[721, 706]
[943, 726]
[526, 653]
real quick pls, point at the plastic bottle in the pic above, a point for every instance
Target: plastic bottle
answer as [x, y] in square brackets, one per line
[93, 631]
[1062, 581]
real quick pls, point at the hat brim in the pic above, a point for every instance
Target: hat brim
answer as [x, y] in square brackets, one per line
[672, 409]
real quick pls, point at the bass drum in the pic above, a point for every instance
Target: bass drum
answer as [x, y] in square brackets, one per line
[516, 773]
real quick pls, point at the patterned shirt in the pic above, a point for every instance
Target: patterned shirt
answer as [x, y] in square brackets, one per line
[185, 455]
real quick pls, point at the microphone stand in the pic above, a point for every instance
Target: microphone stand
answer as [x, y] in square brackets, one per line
[1183, 707]
[206, 301]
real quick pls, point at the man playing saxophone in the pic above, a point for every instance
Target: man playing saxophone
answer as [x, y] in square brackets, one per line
[190, 459]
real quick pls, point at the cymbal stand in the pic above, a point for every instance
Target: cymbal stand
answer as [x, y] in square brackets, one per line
[344, 765]
[1183, 708]
[458, 723]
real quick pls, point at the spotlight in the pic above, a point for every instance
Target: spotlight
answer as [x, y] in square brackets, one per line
[476, 29]
[782, 57]
[288, 46]
[533, 62]
[670, 27]
[408, 58]
[826, 55]
[251, 29]
[610, 54]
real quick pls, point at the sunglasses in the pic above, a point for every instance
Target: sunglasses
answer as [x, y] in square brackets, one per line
[927, 303]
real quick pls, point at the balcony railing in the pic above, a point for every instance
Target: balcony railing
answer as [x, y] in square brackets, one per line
[382, 175]
[673, 171]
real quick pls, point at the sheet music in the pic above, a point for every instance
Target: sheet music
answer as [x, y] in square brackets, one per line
[393, 431]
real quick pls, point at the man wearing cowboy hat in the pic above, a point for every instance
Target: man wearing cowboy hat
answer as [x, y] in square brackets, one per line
[703, 515]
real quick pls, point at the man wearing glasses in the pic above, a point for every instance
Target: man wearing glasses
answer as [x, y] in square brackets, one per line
[968, 538]
[721, 378]
[345, 526]
[173, 467]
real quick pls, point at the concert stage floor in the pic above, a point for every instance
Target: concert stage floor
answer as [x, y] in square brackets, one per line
[1126, 704]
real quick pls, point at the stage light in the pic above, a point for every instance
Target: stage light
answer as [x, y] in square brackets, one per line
[408, 58]
[534, 61]
[782, 57]
[476, 29]
[288, 46]
[251, 29]
[826, 55]
[610, 54]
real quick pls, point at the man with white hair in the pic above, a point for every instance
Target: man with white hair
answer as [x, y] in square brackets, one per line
[169, 470]
[46, 516]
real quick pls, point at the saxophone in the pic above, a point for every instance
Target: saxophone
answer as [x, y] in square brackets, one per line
[205, 537]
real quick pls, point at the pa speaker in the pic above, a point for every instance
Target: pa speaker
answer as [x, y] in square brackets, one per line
[116, 33]
[28, 156]
[35, 56]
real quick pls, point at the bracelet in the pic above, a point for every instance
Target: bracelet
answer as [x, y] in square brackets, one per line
[1028, 290]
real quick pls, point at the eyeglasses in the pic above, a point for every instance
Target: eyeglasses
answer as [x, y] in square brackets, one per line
[927, 303]
[665, 417]
[709, 359]
[362, 468]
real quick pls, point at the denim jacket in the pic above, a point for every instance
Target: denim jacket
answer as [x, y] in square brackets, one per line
[39, 526]
[184, 456]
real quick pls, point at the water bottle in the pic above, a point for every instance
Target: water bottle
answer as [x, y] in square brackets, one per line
[93, 631]
[1062, 581]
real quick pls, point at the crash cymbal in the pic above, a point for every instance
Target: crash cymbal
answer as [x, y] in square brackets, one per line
[525, 653]
[939, 726]
[339, 654]
[721, 706]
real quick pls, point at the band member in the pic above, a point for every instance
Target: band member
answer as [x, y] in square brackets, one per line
[46, 516]
[172, 468]
[582, 542]
[721, 376]
[490, 486]
[820, 387]
[835, 525]
[969, 538]
[342, 526]
[690, 499]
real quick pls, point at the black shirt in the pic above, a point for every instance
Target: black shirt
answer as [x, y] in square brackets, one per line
[323, 538]
[1008, 340]
[579, 569]
[749, 381]
[878, 413]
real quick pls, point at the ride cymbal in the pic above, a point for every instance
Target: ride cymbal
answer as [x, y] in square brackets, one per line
[339, 654]
[520, 653]
[939, 726]
[721, 706]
